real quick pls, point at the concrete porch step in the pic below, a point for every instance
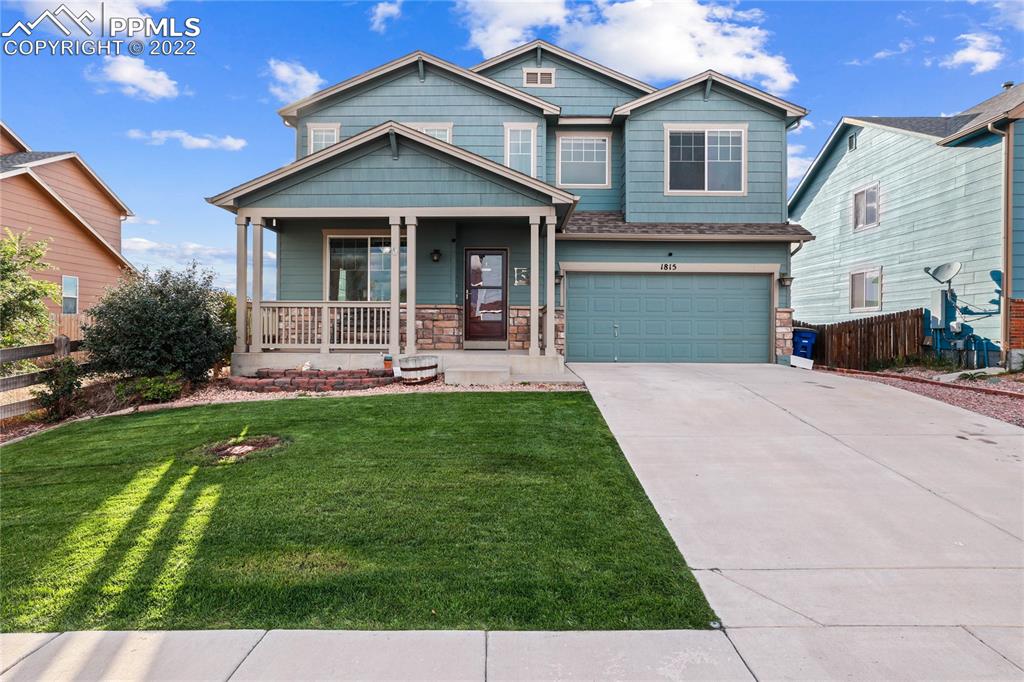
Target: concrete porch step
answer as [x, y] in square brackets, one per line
[477, 376]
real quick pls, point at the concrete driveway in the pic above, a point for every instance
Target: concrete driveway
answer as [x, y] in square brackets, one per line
[839, 527]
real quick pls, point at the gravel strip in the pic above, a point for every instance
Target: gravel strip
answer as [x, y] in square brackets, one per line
[1007, 382]
[1010, 410]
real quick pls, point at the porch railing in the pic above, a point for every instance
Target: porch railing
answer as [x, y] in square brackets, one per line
[325, 325]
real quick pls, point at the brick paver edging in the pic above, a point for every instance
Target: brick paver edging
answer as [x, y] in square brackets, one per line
[920, 380]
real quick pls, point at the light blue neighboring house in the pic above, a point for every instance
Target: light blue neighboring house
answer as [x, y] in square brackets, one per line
[889, 196]
[536, 208]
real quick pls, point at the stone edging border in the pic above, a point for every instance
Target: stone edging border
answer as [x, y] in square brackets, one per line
[920, 380]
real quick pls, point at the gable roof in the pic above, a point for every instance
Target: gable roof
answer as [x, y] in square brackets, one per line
[74, 214]
[945, 130]
[567, 56]
[290, 111]
[226, 199]
[14, 136]
[19, 162]
[713, 76]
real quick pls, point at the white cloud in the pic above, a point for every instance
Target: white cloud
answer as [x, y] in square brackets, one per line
[797, 162]
[188, 140]
[905, 18]
[658, 41]
[136, 220]
[1010, 12]
[133, 78]
[981, 51]
[292, 80]
[904, 47]
[805, 125]
[382, 13]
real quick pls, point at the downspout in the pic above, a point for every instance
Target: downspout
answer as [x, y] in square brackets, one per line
[1004, 308]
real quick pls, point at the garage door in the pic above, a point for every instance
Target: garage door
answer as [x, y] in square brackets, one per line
[667, 317]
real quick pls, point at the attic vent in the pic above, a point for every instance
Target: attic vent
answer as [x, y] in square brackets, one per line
[851, 143]
[539, 78]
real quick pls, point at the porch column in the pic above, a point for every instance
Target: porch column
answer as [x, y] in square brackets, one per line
[534, 285]
[410, 285]
[395, 316]
[549, 290]
[257, 284]
[241, 305]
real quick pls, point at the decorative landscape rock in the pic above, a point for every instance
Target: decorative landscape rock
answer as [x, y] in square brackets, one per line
[281, 380]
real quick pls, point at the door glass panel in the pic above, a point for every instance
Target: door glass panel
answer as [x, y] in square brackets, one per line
[486, 305]
[486, 271]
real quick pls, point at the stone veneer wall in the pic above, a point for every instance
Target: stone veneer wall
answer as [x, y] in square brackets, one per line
[439, 327]
[1016, 323]
[783, 331]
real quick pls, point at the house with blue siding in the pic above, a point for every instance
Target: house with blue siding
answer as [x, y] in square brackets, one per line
[888, 197]
[534, 209]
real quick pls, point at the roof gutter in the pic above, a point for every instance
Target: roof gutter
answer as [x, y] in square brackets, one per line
[1007, 283]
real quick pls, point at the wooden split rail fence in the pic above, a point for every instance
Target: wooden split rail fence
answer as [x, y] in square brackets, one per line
[61, 347]
[864, 343]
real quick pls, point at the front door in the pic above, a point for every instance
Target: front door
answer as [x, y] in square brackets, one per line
[486, 304]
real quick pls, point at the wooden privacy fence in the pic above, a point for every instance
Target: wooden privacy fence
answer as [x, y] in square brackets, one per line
[860, 344]
[61, 347]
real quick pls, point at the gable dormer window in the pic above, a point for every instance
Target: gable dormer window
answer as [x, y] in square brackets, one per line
[538, 77]
[322, 135]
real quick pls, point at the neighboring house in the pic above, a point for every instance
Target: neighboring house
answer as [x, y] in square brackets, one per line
[535, 190]
[56, 197]
[888, 196]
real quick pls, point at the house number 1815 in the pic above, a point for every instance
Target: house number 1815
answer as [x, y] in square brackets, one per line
[669, 267]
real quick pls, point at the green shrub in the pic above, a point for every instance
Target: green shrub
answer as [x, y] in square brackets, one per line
[150, 389]
[60, 390]
[158, 323]
[24, 319]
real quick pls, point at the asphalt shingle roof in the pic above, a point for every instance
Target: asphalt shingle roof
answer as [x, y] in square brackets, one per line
[612, 222]
[944, 126]
[11, 161]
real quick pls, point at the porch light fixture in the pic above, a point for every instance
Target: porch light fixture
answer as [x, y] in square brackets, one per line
[435, 255]
[785, 280]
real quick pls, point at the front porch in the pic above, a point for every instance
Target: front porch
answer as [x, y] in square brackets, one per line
[482, 309]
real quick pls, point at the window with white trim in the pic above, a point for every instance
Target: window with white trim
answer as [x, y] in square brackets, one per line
[69, 294]
[359, 269]
[866, 290]
[442, 131]
[865, 207]
[520, 147]
[583, 160]
[538, 77]
[705, 160]
[322, 135]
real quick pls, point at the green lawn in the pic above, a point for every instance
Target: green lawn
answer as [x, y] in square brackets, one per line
[472, 510]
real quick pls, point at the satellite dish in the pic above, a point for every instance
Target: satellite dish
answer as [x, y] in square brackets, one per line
[945, 273]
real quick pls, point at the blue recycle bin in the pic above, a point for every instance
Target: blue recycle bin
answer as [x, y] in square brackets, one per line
[803, 342]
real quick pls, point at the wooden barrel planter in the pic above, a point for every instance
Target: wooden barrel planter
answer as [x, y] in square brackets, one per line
[418, 369]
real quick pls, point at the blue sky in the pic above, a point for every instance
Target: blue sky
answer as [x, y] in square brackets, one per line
[166, 131]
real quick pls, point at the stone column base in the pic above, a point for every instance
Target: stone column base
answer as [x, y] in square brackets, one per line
[783, 332]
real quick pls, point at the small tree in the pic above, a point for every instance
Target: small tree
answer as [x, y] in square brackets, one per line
[157, 323]
[24, 319]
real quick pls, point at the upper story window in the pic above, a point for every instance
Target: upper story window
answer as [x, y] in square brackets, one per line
[866, 290]
[521, 147]
[442, 131]
[69, 294]
[538, 77]
[851, 142]
[322, 135]
[705, 159]
[865, 207]
[583, 160]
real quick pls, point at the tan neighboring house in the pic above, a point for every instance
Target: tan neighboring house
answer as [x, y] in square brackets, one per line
[55, 196]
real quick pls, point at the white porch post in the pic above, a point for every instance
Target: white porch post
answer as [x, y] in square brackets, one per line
[410, 285]
[241, 304]
[257, 284]
[535, 285]
[549, 290]
[395, 317]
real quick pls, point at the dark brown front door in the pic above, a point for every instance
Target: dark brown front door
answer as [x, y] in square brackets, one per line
[486, 295]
